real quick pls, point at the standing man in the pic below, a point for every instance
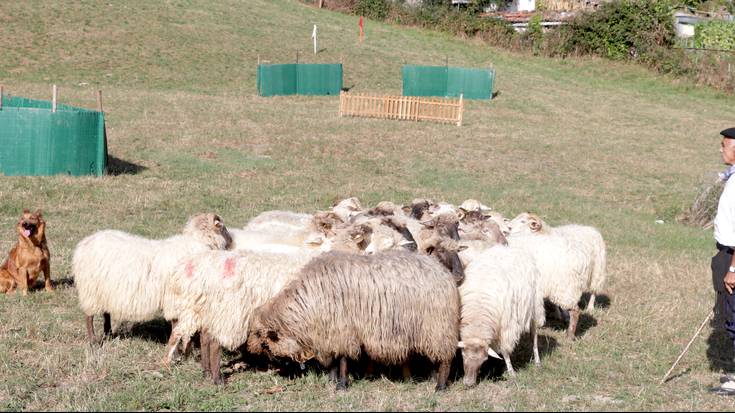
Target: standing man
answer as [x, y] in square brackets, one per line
[723, 264]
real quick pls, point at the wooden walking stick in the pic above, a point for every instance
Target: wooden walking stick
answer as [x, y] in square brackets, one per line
[711, 313]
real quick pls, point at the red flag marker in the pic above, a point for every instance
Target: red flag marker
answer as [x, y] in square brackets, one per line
[361, 32]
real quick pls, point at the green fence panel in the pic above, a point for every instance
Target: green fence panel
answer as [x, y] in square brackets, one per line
[424, 80]
[471, 83]
[302, 79]
[447, 81]
[319, 79]
[277, 80]
[35, 141]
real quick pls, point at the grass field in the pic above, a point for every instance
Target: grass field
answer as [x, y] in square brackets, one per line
[592, 142]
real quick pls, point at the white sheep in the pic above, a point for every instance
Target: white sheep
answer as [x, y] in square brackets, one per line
[122, 275]
[215, 292]
[500, 300]
[586, 238]
[564, 267]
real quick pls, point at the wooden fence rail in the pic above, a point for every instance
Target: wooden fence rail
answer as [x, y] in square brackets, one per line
[402, 107]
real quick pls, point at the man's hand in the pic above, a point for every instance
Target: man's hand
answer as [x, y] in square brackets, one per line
[730, 281]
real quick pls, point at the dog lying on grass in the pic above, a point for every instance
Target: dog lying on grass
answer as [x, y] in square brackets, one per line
[29, 257]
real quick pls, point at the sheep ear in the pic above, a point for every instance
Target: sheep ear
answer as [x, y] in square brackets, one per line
[492, 353]
[461, 214]
[462, 248]
[535, 225]
[460, 344]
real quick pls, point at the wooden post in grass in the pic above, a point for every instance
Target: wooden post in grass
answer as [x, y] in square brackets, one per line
[461, 109]
[53, 100]
[98, 94]
[663, 380]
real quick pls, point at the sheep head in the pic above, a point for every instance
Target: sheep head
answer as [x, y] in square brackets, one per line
[419, 208]
[210, 229]
[527, 223]
[474, 353]
[446, 225]
[446, 251]
[266, 338]
[347, 208]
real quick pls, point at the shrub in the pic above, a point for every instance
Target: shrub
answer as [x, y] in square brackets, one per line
[623, 29]
[374, 9]
[715, 34]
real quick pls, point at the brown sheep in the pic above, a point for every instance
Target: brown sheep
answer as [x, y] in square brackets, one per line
[390, 305]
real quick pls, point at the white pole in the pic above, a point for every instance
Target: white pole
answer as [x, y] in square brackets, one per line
[313, 36]
[53, 101]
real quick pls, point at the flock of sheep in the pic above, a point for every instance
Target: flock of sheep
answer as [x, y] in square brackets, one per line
[389, 282]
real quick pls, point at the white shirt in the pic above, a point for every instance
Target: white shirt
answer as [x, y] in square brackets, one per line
[725, 218]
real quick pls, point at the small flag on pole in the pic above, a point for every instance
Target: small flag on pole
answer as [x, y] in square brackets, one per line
[361, 32]
[313, 36]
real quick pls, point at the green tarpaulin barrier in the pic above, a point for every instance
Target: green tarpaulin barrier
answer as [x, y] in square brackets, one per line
[448, 81]
[301, 79]
[35, 141]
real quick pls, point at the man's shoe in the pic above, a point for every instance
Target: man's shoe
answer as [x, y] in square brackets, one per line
[726, 389]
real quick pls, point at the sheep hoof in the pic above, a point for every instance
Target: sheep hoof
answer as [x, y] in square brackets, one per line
[341, 386]
[440, 387]
[218, 380]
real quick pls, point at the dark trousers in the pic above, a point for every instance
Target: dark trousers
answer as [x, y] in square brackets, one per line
[725, 302]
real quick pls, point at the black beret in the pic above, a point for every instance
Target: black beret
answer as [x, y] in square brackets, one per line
[728, 133]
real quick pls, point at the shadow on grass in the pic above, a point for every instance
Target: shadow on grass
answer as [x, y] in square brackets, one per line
[116, 166]
[720, 348]
[157, 331]
[586, 321]
[601, 301]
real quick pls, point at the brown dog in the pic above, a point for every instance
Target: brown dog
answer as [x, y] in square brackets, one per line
[29, 257]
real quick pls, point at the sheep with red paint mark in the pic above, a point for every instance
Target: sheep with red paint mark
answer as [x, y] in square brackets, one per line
[215, 292]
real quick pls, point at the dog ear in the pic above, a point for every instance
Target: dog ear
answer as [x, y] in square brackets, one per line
[26, 211]
[39, 213]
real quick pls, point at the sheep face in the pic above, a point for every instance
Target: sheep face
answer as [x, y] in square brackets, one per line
[526, 223]
[450, 259]
[474, 354]
[347, 208]
[446, 225]
[210, 228]
[275, 343]
[420, 209]
[384, 238]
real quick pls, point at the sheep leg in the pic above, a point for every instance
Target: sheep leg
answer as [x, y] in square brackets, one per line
[215, 356]
[171, 346]
[406, 371]
[333, 372]
[442, 375]
[369, 369]
[508, 364]
[90, 331]
[591, 303]
[342, 381]
[534, 336]
[573, 320]
[204, 344]
[108, 324]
